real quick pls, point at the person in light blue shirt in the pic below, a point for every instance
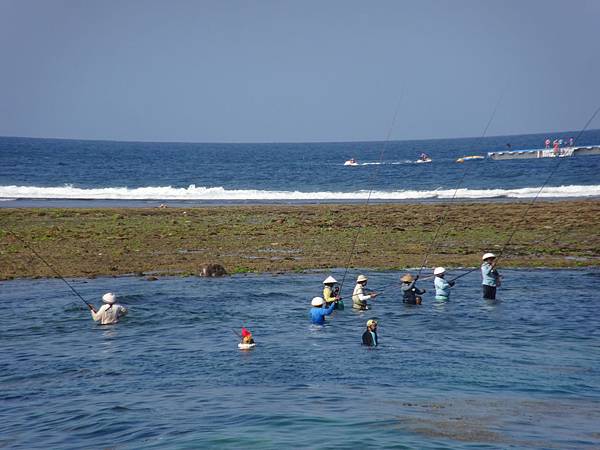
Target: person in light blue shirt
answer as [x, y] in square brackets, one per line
[318, 313]
[491, 279]
[442, 287]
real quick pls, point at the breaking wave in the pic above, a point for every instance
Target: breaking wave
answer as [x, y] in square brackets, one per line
[194, 192]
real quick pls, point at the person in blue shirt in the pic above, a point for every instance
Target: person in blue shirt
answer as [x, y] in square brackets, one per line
[490, 276]
[369, 337]
[442, 287]
[317, 312]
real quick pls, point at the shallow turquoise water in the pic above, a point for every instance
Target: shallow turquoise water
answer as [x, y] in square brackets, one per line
[523, 372]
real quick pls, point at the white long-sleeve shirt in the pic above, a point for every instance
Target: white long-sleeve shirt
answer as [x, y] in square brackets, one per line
[359, 299]
[109, 314]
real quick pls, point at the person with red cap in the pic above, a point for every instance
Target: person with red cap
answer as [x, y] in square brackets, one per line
[247, 337]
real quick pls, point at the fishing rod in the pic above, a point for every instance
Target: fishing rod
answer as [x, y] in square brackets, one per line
[51, 268]
[552, 236]
[460, 181]
[552, 172]
[464, 274]
[385, 286]
[526, 212]
[383, 148]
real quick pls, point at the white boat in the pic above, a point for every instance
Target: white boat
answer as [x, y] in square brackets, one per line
[469, 158]
[351, 162]
[423, 158]
[546, 153]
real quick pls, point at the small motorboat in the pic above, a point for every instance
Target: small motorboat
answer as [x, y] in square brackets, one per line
[351, 162]
[423, 158]
[469, 158]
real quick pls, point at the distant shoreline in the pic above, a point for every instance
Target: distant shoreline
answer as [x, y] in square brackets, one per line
[89, 242]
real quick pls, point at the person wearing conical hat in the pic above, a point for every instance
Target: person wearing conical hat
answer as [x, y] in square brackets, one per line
[317, 312]
[369, 337]
[110, 312]
[491, 279]
[411, 293]
[331, 292]
[442, 287]
[359, 298]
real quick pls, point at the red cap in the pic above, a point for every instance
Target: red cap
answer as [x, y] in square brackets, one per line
[245, 332]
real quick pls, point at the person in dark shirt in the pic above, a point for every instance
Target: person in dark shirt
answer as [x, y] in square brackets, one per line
[369, 337]
[411, 293]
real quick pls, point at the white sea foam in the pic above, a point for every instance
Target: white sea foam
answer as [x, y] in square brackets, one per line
[193, 192]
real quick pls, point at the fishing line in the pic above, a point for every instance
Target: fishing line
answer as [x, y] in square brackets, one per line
[49, 266]
[371, 183]
[552, 172]
[460, 181]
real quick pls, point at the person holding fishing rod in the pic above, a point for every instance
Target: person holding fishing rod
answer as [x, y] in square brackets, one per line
[491, 279]
[331, 293]
[410, 292]
[442, 287]
[110, 312]
[359, 298]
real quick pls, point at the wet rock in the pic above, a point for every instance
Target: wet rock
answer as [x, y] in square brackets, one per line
[212, 270]
[151, 278]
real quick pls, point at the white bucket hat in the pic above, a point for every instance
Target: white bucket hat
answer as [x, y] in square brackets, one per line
[488, 255]
[329, 280]
[109, 297]
[439, 271]
[361, 278]
[317, 301]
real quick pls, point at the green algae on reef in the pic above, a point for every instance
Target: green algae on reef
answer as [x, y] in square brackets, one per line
[266, 238]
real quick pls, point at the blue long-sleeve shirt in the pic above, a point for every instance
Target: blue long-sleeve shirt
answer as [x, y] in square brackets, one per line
[442, 288]
[317, 315]
[489, 274]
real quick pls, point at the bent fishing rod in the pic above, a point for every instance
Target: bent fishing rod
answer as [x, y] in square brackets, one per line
[552, 172]
[460, 181]
[32, 250]
[371, 183]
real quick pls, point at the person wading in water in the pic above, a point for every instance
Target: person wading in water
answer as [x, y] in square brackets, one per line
[110, 312]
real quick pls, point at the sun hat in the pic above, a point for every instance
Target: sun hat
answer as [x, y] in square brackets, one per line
[329, 280]
[317, 301]
[371, 322]
[407, 278]
[488, 255]
[109, 297]
[245, 332]
[361, 278]
[439, 271]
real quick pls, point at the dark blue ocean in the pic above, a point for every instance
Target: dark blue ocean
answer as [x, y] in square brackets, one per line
[521, 372]
[68, 172]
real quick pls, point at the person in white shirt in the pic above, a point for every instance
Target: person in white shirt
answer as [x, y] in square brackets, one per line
[359, 298]
[110, 312]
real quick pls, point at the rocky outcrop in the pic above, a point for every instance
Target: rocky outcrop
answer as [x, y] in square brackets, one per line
[212, 270]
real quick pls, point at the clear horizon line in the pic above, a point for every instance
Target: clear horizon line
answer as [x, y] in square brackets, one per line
[136, 141]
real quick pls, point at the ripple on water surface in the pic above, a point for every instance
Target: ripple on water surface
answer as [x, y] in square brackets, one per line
[522, 371]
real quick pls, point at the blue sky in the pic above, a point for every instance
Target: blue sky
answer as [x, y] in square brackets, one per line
[295, 71]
